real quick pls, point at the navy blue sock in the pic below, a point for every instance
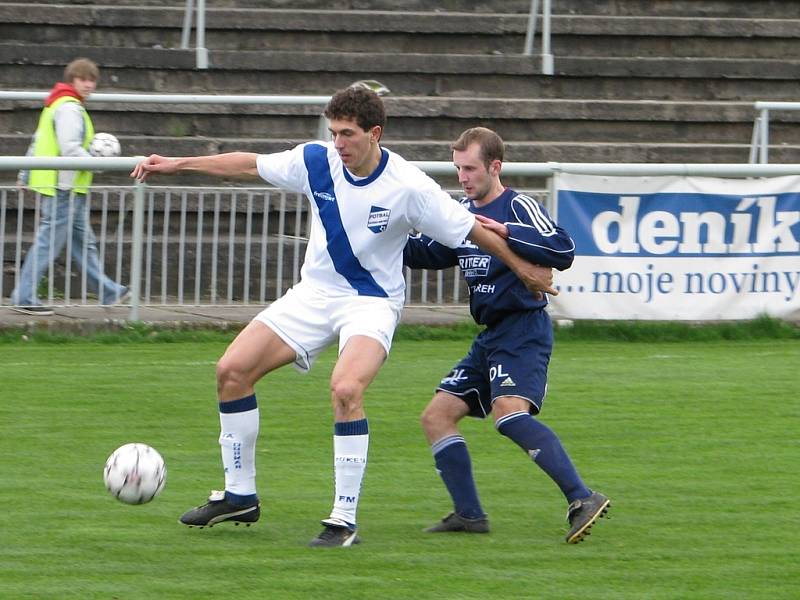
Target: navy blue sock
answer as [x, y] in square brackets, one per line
[454, 465]
[239, 500]
[544, 447]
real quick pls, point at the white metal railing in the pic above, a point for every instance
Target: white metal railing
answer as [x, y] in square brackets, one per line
[222, 245]
[547, 55]
[178, 98]
[322, 126]
[201, 52]
[543, 169]
[183, 246]
[759, 142]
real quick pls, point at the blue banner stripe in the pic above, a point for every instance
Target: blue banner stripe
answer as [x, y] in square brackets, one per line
[339, 248]
[685, 224]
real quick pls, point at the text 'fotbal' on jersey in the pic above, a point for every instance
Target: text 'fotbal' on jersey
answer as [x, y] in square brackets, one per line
[378, 219]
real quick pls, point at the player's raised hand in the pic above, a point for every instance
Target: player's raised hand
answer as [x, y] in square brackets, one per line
[153, 164]
[495, 226]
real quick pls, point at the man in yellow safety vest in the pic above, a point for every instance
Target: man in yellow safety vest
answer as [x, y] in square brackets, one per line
[65, 129]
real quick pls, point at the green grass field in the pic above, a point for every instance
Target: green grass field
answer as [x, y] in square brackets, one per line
[695, 442]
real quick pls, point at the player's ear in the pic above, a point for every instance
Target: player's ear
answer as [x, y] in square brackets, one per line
[375, 133]
[494, 167]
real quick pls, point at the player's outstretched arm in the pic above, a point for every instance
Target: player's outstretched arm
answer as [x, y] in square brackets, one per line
[536, 278]
[230, 164]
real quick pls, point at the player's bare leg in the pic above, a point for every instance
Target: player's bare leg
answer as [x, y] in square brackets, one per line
[440, 424]
[358, 364]
[257, 350]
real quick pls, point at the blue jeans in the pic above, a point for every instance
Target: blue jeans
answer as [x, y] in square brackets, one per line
[54, 228]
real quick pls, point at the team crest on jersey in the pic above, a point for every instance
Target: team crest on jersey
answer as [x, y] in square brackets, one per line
[378, 219]
[474, 265]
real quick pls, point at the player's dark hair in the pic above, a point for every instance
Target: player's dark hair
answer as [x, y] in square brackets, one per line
[361, 105]
[491, 144]
[81, 68]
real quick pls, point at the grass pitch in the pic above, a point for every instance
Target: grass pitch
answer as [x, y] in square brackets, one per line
[695, 443]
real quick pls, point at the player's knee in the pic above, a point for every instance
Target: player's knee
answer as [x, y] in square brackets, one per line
[433, 419]
[346, 394]
[429, 418]
[229, 375]
[506, 405]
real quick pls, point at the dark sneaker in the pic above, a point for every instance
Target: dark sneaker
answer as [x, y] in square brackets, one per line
[218, 509]
[455, 522]
[583, 513]
[35, 309]
[123, 298]
[336, 533]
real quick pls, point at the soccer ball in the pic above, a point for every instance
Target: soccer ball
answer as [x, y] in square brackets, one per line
[135, 473]
[105, 144]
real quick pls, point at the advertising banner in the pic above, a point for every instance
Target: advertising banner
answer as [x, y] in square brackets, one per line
[679, 248]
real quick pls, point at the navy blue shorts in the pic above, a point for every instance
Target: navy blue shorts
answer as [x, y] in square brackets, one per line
[509, 359]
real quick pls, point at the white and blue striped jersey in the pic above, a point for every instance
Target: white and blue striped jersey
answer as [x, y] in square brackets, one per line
[359, 227]
[495, 291]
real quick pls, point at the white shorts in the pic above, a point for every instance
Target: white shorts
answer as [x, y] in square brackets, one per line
[309, 321]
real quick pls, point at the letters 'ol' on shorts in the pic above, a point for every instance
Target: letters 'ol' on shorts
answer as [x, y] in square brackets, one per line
[508, 359]
[309, 321]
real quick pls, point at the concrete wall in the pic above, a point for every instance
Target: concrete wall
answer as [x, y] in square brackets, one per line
[635, 81]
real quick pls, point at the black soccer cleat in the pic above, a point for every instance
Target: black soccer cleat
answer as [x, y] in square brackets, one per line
[218, 509]
[583, 513]
[455, 522]
[336, 533]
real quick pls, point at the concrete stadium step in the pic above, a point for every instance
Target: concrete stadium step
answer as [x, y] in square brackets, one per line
[434, 119]
[251, 72]
[405, 32]
[706, 8]
[636, 80]
[500, 6]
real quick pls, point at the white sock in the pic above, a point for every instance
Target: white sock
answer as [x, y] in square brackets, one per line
[239, 422]
[350, 446]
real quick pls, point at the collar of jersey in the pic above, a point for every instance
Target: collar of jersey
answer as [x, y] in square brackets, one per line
[506, 192]
[375, 174]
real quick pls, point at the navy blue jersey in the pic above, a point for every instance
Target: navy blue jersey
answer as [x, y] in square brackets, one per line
[494, 290]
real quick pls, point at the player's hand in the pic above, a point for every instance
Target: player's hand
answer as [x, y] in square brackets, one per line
[493, 225]
[154, 164]
[537, 279]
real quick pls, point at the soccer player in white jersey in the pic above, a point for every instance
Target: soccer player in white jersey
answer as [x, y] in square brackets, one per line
[364, 201]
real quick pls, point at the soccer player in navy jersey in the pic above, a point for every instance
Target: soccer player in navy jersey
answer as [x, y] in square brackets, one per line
[505, 371]
[364, 200]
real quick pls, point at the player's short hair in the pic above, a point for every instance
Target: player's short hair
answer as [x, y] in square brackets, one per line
[491, 144]
[361, 105]
[82, 68]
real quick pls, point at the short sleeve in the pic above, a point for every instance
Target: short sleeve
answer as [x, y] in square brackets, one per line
[442, 218]
[285, 169]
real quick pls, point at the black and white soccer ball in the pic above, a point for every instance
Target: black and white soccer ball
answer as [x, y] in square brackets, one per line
[105, 144]
[135, 473]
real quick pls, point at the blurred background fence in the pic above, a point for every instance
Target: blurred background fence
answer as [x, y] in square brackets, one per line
[198, 246]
